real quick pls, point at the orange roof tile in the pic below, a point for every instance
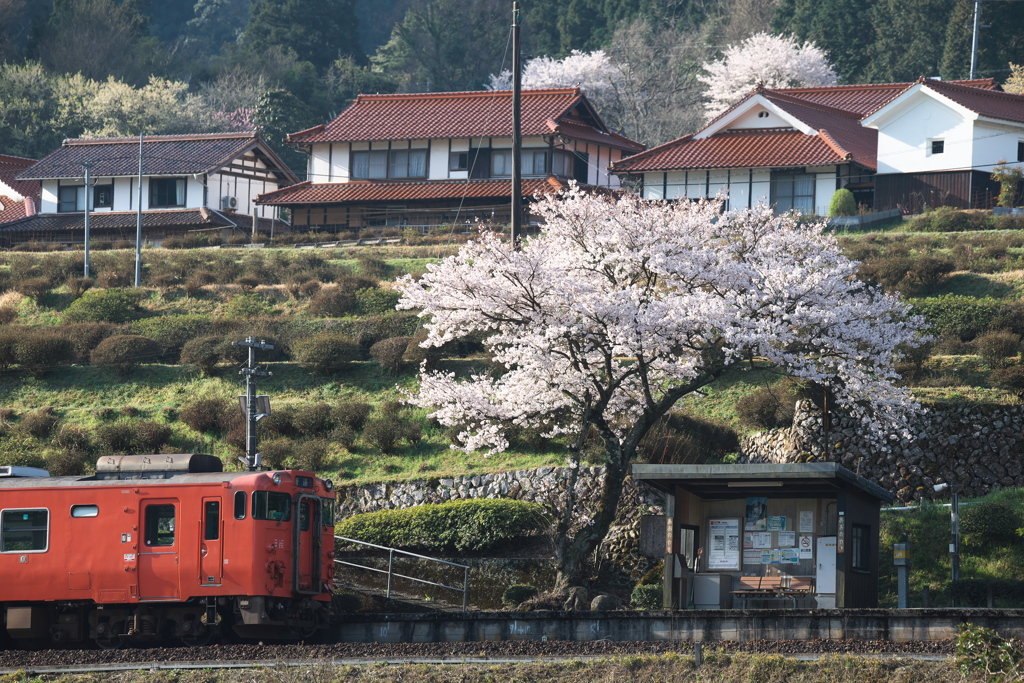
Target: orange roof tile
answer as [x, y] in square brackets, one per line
[991, 103]
[374, 191]
[463, 115]
[866, 98]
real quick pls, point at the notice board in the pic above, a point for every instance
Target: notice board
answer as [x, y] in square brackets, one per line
[723, 550]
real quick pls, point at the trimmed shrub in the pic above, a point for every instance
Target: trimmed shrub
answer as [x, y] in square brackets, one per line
[174, 331]
[21, 450]
[344, 436]
[374, 268]
[352, 414]
[205, 415]
[842, 204]
[332, 302]
[38, 351]
[767, 408]
[281, 421]
[73, 438]
[370, 301]
[87, 336]
[312, 419]
[202, 352]
[991, 522]
[38, 423]
[680, 439]
[384, 432]
[417, 355]
[995, 347]
[326, 353]
[65, 463]
[646, 596]
[77, 286]
[123, 352]
[518, 593]
[276, 452]
[132, 436]
[963, 316]
[104, 306]
[389, 353]
[313, 455]
[457, 525]
[1011, 379]
[249, 305]
[35, 288]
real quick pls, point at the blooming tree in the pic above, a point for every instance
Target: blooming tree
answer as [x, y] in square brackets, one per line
[621, 308]
[763, 59]
[592, 71]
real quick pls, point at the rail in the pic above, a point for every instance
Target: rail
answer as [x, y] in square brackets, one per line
[392, 574]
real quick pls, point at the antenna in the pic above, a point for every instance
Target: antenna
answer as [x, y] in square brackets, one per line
[254, 408]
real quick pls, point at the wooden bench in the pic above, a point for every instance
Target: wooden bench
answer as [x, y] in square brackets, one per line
[772, 588]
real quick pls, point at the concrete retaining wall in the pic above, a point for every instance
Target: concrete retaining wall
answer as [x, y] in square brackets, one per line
[685, 626]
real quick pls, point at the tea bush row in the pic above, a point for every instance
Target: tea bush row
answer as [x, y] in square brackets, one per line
[445, 527]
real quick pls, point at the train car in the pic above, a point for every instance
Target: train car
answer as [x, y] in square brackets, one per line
[157, 547]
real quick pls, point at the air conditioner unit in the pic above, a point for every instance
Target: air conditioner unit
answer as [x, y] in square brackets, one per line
[228, 203]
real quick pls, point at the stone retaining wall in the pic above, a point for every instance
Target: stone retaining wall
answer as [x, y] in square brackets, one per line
[978, 447]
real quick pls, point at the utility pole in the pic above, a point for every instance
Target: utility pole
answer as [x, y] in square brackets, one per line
[517, 133]
[138, 224]
[974, 40]
[255, 408]
[88, 191]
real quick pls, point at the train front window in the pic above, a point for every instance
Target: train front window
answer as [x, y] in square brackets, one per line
[212, 527]
[271, 505]
[327, 511]
[25, 531]
[240, 504]
[304, 513]
[160, 525]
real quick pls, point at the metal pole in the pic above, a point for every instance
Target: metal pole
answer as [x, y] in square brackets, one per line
[465, 588]
[138, 224]
[954, 513]
[974, 41]
[88, 177]
[517, 134]
[903, 574]
[252, 416]
[391, 561]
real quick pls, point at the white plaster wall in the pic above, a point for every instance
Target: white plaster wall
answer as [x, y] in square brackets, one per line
[653, 185]
[696, 184]
[613, 180]
[824, 188]
[750, 119]
[994, 143]
[676, 185]
[739, 190]
[48, 197]
[340, 160]
[761, 188]
[319, 163]
[125, 194]
[437, 162]
[903, 140]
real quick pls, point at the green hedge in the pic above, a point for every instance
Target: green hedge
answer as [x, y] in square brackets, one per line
[954, 314]
[458, 525]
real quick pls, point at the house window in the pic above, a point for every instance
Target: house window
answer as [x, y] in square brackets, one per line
[562, 164]
[25, 531]
[103, 196]
[458, 161]
[71, 198]
[534, 162]
[501, 163]
[165, 192]
[793, 191]
[860, 547]
[938, 146]
[1020, 150]
[399, 163]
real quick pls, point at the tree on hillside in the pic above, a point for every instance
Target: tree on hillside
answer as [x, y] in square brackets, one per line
[908, 39]
[763, 59]
[1015, 83]
[216, 22]
[837, 26]
[318, 31]
[620, 309]
[1001, 41]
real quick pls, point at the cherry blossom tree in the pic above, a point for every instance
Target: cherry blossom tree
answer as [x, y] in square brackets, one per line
[592, 71]
[622, 308]
[763, 59]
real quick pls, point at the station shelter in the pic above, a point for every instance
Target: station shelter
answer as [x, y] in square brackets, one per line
[765, 535]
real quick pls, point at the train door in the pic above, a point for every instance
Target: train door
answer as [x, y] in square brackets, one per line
[158, 553]
[307, 545]
[211, 549]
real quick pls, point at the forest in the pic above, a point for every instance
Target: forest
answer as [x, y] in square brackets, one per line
[72, 68]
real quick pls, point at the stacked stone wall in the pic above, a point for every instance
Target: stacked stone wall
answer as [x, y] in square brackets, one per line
[978, 447]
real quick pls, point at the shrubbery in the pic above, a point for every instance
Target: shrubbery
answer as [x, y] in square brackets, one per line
[327, 352]
[517, 594]
[104, 305]
[767, 407]
[646, 596]
[679, 439]
[455, 526]
[963, 316]
[842, 204]
[132, 436]
[389, 353]
[992, 521]
[123, 352]
[202, 352]
[40, 350]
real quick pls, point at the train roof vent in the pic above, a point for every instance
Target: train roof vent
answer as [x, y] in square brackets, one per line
[161, 466]
[19, 471]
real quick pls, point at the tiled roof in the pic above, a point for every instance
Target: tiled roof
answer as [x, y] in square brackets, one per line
[991, 103]
[176, 218]
[843, 128]
[10, 167]
[12, 209]
[865, 99]
[752, 148]
[461, 115]
[162, 155]
[587, 133]
[371, 191]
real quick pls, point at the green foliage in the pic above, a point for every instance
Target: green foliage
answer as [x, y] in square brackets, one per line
[389, 353]
[104, 305]
[996, 347]
[38, 423]
[122, 352]
[332, 302]
[39, 351]
[992, 521]
[646, 596]
[372, 300]
[842, 203]
[1011, 379]
[767, 407]
[352, 414]
[206, 415]
[982, 651]
[906, 275]
[682, 439]
[132, 436]
[318, 31]
[326, 353]
[202, 352]
[246, 306]
[313, 455]
[948, 219]
[963, 316]
[517, 594]
[455, 526]
[1009, 179]
[312, 419]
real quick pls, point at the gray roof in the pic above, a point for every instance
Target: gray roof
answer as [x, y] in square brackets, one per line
[817, 479]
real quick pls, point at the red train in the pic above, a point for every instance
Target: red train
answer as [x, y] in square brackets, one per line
[164, 546]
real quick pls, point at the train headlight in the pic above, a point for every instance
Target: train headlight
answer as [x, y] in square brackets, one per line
[276, 478]
[329, 485]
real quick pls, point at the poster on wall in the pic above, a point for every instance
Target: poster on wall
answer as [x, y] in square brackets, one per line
[807, 521]
[748, 540]
[763, 539]
[789, 555]
[806, 548]
[723, 543]
[776, 523]
[751, 557]
[757, 514]
[787, 539]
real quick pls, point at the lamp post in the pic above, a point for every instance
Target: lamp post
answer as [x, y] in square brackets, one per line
[954, 521]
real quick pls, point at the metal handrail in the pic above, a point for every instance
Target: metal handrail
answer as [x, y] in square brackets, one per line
[391, 573]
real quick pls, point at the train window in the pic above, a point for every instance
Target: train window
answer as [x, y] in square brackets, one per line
[240, 499]
[25, 531]
[85, 510]
[305, 510]
[271, 505]
[212, 527]
[304, 482]
[160, 525]
[327, 511]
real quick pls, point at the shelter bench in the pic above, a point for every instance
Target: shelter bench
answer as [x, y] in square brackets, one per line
[767, 588]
